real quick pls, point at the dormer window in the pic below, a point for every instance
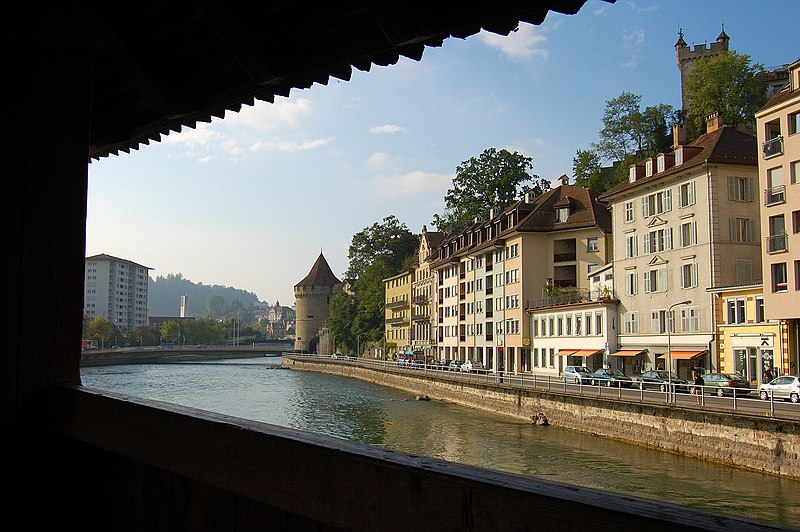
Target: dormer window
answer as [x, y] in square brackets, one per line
[679, 155]
[632, 174]
[661, 163]
[562, 213]
[648, 167]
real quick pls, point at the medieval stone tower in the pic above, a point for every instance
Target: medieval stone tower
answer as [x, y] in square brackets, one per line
[686, 56]
[313, 297]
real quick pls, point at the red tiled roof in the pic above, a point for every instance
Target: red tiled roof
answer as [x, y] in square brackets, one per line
[320, 274]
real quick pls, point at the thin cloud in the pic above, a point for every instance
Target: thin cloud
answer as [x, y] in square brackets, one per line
[412, 183]
[291, 146]
[527, 41]
[634, 41]
[264, 115]
[377, 160]
[389, 129]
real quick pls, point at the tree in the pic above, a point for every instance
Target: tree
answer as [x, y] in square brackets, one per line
[215, 306]
[171, 332]
[341, 316]
[493, 179]
[101, 330]
[726, 83]
[628, 134]
[389, 240]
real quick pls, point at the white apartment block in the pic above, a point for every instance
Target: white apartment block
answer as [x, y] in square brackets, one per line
[116, 289]
[683, 222]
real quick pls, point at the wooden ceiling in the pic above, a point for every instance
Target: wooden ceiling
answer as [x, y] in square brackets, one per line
[161, 66]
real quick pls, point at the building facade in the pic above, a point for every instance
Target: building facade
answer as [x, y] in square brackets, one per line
[397, 320]
[778, 131]
[683, 222]
[117, 290]
[423, 337]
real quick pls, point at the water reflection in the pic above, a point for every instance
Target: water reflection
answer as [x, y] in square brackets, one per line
[370, 414]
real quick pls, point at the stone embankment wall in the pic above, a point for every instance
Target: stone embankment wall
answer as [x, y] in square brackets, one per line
[762, 444]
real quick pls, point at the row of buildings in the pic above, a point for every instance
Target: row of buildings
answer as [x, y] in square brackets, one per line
[694, 261]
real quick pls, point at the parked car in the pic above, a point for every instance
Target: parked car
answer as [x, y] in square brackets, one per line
[725, 383]
[471, 365]
[419, 364]
[610, 377]
[576, 374]
[660, 378]
[454, 365]
[785, 387]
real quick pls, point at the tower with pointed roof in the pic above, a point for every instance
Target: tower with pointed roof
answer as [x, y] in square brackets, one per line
[313, 297]
[686, 56]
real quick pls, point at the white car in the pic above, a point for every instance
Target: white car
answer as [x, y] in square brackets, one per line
[471, 365]
[785, 387]
[576, 374]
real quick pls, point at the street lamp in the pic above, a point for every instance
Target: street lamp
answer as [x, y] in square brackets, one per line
[669, 344]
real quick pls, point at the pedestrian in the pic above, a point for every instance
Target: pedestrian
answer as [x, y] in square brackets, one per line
[768, 375]
[698, 386]
[501, 372]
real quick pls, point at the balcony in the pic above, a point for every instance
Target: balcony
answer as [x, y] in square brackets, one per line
[775, 195]
[421, 316]
[777, 243]
[565, 283]
[397, 321]
[420, 300]
[564, 257]
[558, 297]
[773, 147]
[397, 304]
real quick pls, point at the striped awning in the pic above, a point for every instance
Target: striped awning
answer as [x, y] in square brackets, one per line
[628, 352]
[684, 355]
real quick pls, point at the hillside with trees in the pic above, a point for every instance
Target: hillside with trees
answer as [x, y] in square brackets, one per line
[210, 301]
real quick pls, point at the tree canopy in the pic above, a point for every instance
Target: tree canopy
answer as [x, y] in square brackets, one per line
[496, 178]
[726, 83]
[389, 240]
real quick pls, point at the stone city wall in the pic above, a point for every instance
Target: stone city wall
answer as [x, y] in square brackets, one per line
[762, 444]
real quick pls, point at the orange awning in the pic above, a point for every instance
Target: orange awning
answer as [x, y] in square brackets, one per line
[628, 353]
[578, 352]
[684, 355]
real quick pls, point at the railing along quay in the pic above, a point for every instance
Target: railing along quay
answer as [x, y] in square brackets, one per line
[740, 401]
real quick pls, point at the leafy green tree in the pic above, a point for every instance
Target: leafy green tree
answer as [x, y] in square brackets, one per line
[215, 306]
[368, 323]
[389, 240]
[493, 179]
[342, 315]
[101, 330]
[143, 336]
[170, 332]
[726, 83]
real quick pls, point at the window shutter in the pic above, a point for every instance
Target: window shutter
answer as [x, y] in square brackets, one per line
[662, 280]
[691, 193]
[668, 200]
[668, 239]
[647, 282]
[731, 188]
[750, 189]
[646, 242]
[751, 231]
[732, 228]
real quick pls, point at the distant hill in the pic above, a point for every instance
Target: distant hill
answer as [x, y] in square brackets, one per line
[165, 295]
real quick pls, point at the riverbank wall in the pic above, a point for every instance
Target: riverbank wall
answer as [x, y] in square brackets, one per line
[750, 442]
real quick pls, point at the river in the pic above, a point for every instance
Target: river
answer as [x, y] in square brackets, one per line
[259, 389]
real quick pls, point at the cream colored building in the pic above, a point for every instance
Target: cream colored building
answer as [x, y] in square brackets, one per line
[684, 221]
[778, 130]
[117, 290]
[489, 273]
[423, 338]
[748, 343]
[397, 308]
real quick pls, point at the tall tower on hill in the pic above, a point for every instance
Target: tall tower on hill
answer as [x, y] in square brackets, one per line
[686, 56]
[313, 297]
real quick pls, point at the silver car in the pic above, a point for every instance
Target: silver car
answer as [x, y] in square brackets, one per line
[785, 387]
[576, 374]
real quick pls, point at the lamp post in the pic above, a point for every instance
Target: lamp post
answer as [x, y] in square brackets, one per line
[669, 344]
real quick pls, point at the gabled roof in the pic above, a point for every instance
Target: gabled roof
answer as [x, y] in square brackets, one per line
[320, 275]
[725, 145]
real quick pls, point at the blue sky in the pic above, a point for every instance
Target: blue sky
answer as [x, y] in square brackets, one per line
[249, 201]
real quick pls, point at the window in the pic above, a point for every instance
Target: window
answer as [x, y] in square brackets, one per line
[598, 323]
[741, 188]
[552, 326]
[742, 230]
[794, 123]
[794, 172]
[736, 310]
[588, 324]
[631, 246]
[776, 192]
[797, 275]
[656, 241]
[631, 322]
[688, 234]
[569, 324]
[578, 331]
[658, 321]
[690, 319]
[655, 280]
[535, 327]
[657, 203]
[777, 241]
[562, 213]
[592, 244]
[560, 322]
[631, 283]
[744, 271]
[795, 222]
[591, 267]
[686, 194]
[629, 216]
[760, 316]
[779, 282]
[689, 275]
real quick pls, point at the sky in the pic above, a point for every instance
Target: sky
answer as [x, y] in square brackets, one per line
[250, 201]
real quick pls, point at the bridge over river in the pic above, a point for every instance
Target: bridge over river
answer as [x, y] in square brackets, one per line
[183, 353]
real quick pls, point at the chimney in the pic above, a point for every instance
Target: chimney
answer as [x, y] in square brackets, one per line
[678, 136]
[713, 122]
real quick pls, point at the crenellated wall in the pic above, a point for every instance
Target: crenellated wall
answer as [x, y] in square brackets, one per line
[762, 444]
